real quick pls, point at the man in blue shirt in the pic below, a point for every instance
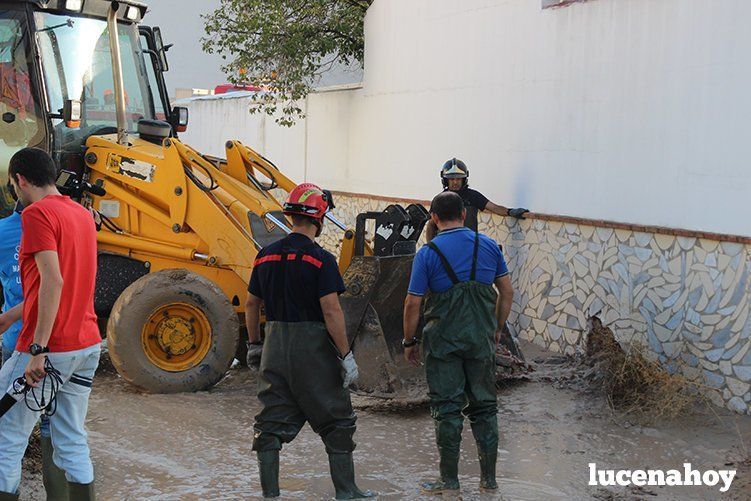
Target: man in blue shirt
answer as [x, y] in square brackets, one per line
[10, 239]
[463, 323]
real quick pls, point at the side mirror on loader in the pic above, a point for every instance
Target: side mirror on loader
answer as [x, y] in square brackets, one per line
[179, 118]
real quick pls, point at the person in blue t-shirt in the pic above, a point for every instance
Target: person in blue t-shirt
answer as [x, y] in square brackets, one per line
[464, 319]
[10, 239]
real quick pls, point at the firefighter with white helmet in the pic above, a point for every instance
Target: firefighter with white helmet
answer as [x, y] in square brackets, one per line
[455, 177]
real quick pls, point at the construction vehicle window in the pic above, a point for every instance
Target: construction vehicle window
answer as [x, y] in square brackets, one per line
[77, 64]
[150, 71]
[20, 124]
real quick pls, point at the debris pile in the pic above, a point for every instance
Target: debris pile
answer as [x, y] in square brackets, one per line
[742, 484]
[413, 393]
[631, 382]
[509, 367]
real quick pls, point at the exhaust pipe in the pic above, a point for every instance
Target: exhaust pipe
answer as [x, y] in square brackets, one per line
[117, 75]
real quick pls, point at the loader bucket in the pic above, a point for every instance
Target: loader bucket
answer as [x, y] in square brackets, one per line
[373, 309]
[376, 288]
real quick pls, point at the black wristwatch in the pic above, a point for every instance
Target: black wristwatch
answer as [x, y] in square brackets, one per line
[37, 349]
[410, 343]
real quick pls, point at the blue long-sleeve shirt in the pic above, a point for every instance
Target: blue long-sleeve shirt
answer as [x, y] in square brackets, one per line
[10, 239]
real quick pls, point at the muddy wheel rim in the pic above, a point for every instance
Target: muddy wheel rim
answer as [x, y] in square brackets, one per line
[176, 337]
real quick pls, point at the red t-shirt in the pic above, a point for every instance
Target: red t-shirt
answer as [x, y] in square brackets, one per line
[57, 223]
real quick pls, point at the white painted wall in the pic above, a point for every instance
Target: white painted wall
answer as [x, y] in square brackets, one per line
[624, 110]
[216, 119]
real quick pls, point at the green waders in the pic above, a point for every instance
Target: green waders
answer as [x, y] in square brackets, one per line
[300, 380]
[81, 492]
[55, 484]
[459, 336]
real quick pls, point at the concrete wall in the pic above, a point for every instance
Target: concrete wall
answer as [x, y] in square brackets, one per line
[616, 110]
[625, 110]
[216, 119]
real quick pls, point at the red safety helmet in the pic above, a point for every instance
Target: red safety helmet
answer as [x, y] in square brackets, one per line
[309, 200]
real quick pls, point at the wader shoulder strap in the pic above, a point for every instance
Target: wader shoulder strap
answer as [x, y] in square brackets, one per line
[446, 265]
[474, 257]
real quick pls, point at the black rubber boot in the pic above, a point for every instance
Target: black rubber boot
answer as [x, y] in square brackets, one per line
[449, 469]
[488, 460]
[7, 496]
[55, 484]
[342, 468]
[448, 433]
[268, 468]
[485, 432]
[81, 492]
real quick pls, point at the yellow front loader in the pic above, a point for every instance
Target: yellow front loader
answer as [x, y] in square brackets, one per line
[180, 230]
[191, 230]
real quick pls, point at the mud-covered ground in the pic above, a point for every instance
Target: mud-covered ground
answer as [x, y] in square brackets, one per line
[197, 446]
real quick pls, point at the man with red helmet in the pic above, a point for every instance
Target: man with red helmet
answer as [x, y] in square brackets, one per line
[306, 363]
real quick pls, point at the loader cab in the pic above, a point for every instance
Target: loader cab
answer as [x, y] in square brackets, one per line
[22, 117]
[55, 57]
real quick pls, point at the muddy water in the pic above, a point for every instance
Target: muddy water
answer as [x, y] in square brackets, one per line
[198, 447]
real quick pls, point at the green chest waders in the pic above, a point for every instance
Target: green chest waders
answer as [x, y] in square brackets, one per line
[299, 381]
[459, 337]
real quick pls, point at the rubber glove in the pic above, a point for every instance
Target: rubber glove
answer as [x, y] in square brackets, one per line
[517, 213]
[349, 369]
[255, 350]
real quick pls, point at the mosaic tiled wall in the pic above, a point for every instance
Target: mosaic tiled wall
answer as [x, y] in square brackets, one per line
[688, 299]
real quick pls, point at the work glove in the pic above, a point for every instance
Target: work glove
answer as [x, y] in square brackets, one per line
[255, 350]
[349, 369]
[517, 213]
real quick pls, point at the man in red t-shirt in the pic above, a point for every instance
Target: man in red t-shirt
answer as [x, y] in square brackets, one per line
[58, 260]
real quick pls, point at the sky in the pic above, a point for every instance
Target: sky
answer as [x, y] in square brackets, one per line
[181, 24]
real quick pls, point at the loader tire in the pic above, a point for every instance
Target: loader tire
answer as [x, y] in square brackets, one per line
[172, 331]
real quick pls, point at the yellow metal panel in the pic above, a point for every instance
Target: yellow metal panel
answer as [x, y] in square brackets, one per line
[178, 209]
